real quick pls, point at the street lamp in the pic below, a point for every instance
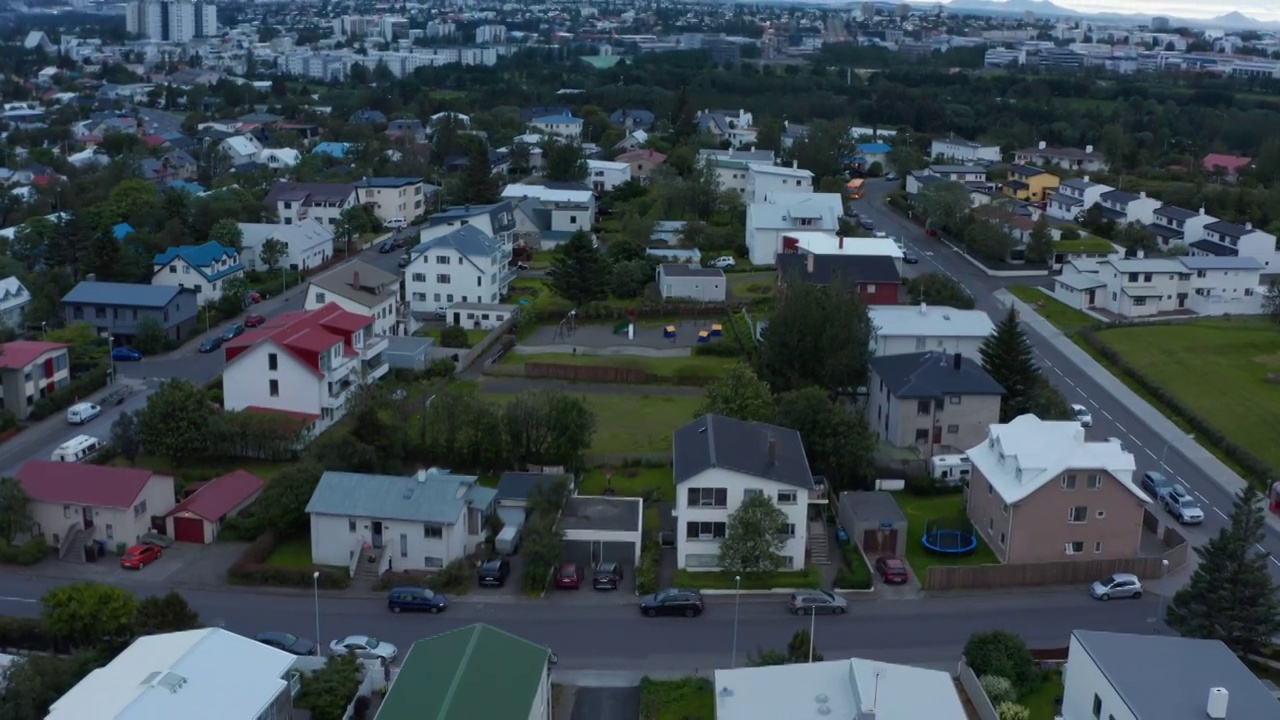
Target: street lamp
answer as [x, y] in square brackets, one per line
[1164, 572]
[1165, 451]
[111, 354]
[315, 579]
[813, 618]
[737, 601]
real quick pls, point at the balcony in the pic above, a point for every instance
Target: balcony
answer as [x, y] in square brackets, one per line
[373, 346]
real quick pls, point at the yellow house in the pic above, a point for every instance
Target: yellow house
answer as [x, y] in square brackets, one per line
[1029, 183]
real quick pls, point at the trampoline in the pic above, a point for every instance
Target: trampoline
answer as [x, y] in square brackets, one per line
[955, 538]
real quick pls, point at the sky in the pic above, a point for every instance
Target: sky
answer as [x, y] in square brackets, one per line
[1265, 10]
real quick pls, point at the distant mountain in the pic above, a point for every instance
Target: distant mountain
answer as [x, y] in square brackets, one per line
[1040, 7]
[1236, 19]
[1232, 20]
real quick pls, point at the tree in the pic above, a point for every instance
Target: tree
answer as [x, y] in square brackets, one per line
[479, 186]
[548, 427]
[166, 613]
[738, 393]
[327, 691]
[226, 232]
[934, 288]
[1001, 653]
[564, 160]
[454, 336]
[816, 336]
[1271, 301]
[149, 336]
[273, 251]
[1232, 596]
[175, 422]
[1009, 710]
[15, 510]
[88, 614]
[823, 150]
[352, 223]
[126, 437]
[1007, 358]
[989, 240]
[30, 685]
[1134, 236]
[944, 204]
[580, 273]
[1040, 242]
[799, 650]
[753, 541]
[837, 441]
[282, 506]
[235, 294]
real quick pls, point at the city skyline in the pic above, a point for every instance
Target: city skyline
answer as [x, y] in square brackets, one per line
[1263, 10]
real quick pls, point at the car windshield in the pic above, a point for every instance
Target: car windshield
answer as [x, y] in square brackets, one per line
[371, 643]
[568, 572]
[1108, 581]
[1187, 503]
[287, 639]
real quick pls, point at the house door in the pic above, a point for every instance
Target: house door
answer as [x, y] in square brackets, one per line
[457, 318]
[376, 540]
[1091, 298]
[88, 518]
[1182, 300]
[937, 435]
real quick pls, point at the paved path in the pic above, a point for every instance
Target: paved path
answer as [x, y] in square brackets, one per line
[515, 385]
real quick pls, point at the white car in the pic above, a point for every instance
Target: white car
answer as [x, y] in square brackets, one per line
[724, 261]
[1178, 503]
[1083, 415]
[365, 648]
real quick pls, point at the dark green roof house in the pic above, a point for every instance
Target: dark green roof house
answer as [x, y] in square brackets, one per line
[471, 673]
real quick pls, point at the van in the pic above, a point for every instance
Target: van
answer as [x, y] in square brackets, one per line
[81, 413]
[950, 469]
[77, 449]
[396, 222]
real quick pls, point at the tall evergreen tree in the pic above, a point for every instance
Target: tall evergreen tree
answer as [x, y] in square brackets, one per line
[479, 186]
[581, 273]
[1232, 596]
[1006, 356]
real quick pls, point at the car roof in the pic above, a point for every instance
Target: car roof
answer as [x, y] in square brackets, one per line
[606, 565]
[892, 560]
[1123, 576]
[568, 566]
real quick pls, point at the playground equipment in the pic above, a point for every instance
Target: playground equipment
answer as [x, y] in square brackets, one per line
[944, 539]
[566, 327]
[621, 328]
[669, 332]
[717, 330]
[704, 336]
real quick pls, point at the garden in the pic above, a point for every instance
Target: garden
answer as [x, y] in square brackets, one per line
[940, 507]
[652, 483]
[1062, 316]
[691, 698]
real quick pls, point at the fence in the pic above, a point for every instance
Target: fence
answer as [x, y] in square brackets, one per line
[607, 375]
[1067, 572]
[465, 360]
[977, 696]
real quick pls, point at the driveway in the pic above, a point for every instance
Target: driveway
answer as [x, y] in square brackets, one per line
[182, 565]
[606, 703]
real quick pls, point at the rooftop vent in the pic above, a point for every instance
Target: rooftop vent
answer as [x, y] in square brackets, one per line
[1217, 708]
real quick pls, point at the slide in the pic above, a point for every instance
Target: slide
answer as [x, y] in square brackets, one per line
[620, 328]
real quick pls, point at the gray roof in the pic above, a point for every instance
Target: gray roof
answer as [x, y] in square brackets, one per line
[1161, 677]
[124, 294]
[495, 211]
[467, 239]
[956, 169]
[682, 270]
[431, 496]
[1228, 229]
[1081, 281]
[933, 375]
[1118, 197]
[873, 506]
[408, 345]
[376, 285]
[1078, 184]
[716, 441]
[1214, 248]
[1221, 263]
[1149, 265]
[519, 485]
[609, 514]
[1173, 212]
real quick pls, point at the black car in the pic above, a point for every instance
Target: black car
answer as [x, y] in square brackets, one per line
[232, 332]
[494, 572]
[673, 601]
[211, 344]
[415, 599]
[910, 258]
[287, 642]
[387, 247]
[867, 224]
[607, 576]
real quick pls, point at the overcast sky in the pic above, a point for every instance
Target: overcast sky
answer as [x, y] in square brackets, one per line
[1267, 10]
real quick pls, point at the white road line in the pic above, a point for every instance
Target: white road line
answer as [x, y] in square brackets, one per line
[1224, 515]
[1091, 402]
[1262, 549]
[1274, 560]
[17, 599]
[1153, 455]
[1108, 415]
[1121, 427]
[1203, 498]
[1069, 381]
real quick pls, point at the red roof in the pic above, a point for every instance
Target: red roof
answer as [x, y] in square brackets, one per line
[17, 355]
[82, 484]
[220, 495]
[1230, 163]
[153, 141]
[303, 333]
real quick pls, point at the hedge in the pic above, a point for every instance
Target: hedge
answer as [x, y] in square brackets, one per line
[251, 569]
[78, 389]
[28, 553]
[24, 634]
[647, 572]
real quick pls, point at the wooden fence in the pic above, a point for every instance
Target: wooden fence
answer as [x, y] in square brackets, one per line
[1067, 572]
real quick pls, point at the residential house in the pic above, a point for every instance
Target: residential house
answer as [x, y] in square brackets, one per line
[869, 154]
[763, 180]
[1143, 287]
[853, 688]
[1159, 677]
[564, 211]
[629, 119]
[793, 133]
[1225, 285]
[479, 316]
[306, 244]
[359, 288]
[720, 461]
[1226, 167]
[605, 176]
[677, 281]
[1041, 492]
[410, 131]
[116, 308]
[876, 278]
[31, 370]
[563, 126]
[959, 150]
[240, 149]
[1087, 160]
[731, 165]
[643, 162]
[767, 222]
[14, 298]
[903, 329]
[822, 243]
[1169, 225]
[1123, 207]
[1029, 183]
[335, 150]
[497, 220]
[293, 202]
[303, 364]
[173, 166]
[367, 117]
[971, 175]
[463, 265]
[205, 268]
[204, 674]
[476, 671]
[634, 140]
[935, 402]
[420, 522]
[1222, 238]
[733, 126]
[279, 158]
[402, 198]
[199, 517]
[73, 504]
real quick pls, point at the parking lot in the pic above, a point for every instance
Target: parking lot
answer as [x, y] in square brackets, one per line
[182, 565]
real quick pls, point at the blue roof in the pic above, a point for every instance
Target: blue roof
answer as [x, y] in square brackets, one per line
[558, 119]
[193, 188]
[874, 148]
[201, 257]
[468, 240]
[122, 230]
[332, 149]
[432, 496]
[90, 292]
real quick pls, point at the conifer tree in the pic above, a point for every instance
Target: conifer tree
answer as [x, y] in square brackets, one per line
[1007, 358]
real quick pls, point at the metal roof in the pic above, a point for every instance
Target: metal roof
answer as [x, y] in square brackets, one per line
[933, 375]
[429, 496]
[716, 441]
[92, 292]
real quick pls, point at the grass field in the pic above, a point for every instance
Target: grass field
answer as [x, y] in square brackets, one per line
[947, 509]
[473, 336]
[744, 286]
[632, 424]
[1218, 368]
[692, 698]
[295, 553]
[1064, 317]
[1041, 702]
[690, 366]
[631, 482]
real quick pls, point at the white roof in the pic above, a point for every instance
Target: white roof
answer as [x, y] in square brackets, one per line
[767, 169]
[779, 209]
[208, 674]
[240, 145]
[607, 165]
[307, 233]
[929, 321]
[1027, 453]
[824, 243]
[848, 688]
[286, 155]
[516, 191]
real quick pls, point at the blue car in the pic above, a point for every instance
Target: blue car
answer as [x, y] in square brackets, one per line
[415, 599]
[125, 354]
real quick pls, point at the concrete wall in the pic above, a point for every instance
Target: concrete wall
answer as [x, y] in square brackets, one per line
[981, 703]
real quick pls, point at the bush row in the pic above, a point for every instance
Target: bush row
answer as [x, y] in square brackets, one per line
[78, 389]
[856, 574]
[24, 634]
[647, 571]
[723, 348]
[453, 579]
[28, 553]
[251, 569]
[1257, 470]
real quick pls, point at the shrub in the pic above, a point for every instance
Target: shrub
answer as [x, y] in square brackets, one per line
[441, 367]
[718, 349]
[998, 689]
[1012, 711]
[250, 569]
[856, 574]
[456, 577]
[1002, 653]
[28, 553]
[24, 634]
[78, 389]
[647, 572]
[8, 420]
[453, 336]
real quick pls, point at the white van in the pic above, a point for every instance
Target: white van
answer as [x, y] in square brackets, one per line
[81, 413]
[950, 469]
[77, 449]
[397, 222]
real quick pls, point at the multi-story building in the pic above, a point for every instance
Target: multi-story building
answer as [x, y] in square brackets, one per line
[764, 180]
[904, 329]
[1224, 239]
[1029, 183]
[294, 202]
[1123, 207]
[116, 309]
[1142, 287]
[302, 245]
[954, 149]
[392, 197]
[932, 401]
[31, 370]
[205, 268]
[464, 265]
[605, 176]
[568, 210]
[491, 35]
[1074, 197]
[564, 126]
[1000, 57]
[14, 298]
[358, 288]
[1169, 224]
[783, 212]
[731, 165]
[175, 21]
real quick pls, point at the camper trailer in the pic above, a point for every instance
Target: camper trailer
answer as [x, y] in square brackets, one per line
[950, 469]
[77, 449]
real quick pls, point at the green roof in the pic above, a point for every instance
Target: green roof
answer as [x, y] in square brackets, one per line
[601, 62]
[1087, 243]
[470, 673]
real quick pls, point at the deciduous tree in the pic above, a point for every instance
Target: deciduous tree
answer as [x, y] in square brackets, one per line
[166, 613]
[30, 685]
[753, 539]
[1000, 653]
[989, 240]
[88, 614]
[564, 160]
[548, 427]
[149, 336]
[1271, 301]
[816, 336]
[738, 393]
[1040, 241]
[824, 150]
[934, 288]
[944, 204]
[126, 437]
[581, 273]
[272, 252]
[226, 232]
[1134, 236]
[175, 422]
[326, 692]
[837, 441]
[15, 509]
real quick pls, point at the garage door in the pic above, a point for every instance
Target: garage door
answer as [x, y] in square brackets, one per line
[875, 542]
[188, 530]
[587, 554]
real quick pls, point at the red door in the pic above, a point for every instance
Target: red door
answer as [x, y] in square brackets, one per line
[188, 530]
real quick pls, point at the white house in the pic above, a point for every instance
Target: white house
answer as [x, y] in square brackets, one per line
[204, 674]
[73, 504]
[1125, 207]
[241, 149]
[279, 158]
[1109, 675]
[1222, 238]
[788, 212]
[733, 126]
[1142, 287]
[902, 329]
[568, 210]
[359, 288]
[206, 268]
[719, 461]
[1225, 285]
[14, 297]
[420, 522]
[303, 364]
[764, 180]
[497, 220]
[293, 203]
[305, 245]
[463, 265]
[394, 197]
[605, 176]
[1169, 225]
[954, 149]
[1087, 160]
[731, 165]
[564, 126]
[1074, 197]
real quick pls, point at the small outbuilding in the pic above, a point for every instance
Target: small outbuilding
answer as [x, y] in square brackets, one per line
[198, 518]
[603, 529]
[408, 352]
[514, 490]
[677, 281]
[875, 522]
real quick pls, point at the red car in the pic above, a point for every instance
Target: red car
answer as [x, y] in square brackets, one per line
[569, 577]
[253, 320]
[255, 297]
[139, 556]
[892, 570]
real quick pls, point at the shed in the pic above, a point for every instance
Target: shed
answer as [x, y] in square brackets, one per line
[874, 521]
[198, 518]
[599, 529]
[689, 282]
[408, 353]
[514, 489]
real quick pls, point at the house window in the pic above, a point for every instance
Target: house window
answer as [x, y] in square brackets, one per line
[786, 497]
[273, 386]
[1078, 514]
[708, 497]
[1139, 301]
[922, 435]
[953, 429]
[1146, 277]
[1068, 482]
[954, 399]
[420, 277]
[787, 530]
[991, 524]
[100, 313]
[704, 530]
[1133, 277]
[432, 563]
[1094, 482]
[1097, 546]
[319, 297]
[186, 269]
[442, 279]
[436, 297]
[66, 511]
[173, 270]
[1097, 706]
[923, 407]
[351, 525]
[140, 509]
[750, 493]
[1075, 548]
[273, 361]
[432, 532]
[1001, 539]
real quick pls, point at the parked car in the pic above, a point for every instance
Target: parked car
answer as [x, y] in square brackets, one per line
[910, 258]
[569, 576]
[125, 354]
[287, 642]
[364, 647]
[1082, 414]
[139, 556]
[233, 331]
[892, 570]
[867, 223]
[1155, 484]
[415, 599]
[607, 576]
[254, 297]
[404, 260]
[81, 413]
[396, 222]
[673, 601]
[387, 248]
[817, 602]
[253, 320]
[723, 262]
[891, 176]
[521, 267]
[1178, 503]
[494, 572]
[1120, 585]
[211, 344]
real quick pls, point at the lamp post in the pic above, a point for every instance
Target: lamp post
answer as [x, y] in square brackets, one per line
[1165, 451]
[737, 601]
[111, 354]
[813, 618]
[284, 280]
[315, 580]
[1164, 572]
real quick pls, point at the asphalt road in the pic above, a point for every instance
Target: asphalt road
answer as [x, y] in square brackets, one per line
[1110, 417]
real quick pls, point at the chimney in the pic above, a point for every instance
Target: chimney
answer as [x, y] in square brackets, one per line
[355, 280]
[1142, 194]
[957, 360]
[1201, 209]
[1043, 145]
[1088, 149]
[924, 309]
[1086, 178]
[1217, 708]
[1248, 225]
[795, 164]
[422, 475]
[773, 460]
[809, 262]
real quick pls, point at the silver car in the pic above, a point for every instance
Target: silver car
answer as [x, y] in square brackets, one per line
[817, 602]
[1120, 585]
[364, 647]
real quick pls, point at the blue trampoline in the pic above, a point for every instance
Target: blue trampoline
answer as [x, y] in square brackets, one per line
[955, 538]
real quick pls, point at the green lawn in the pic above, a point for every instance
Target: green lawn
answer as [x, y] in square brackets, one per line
[473, 336]
[1041, 702]
[295, 553]
[631, 482]
[948, 509]
[1063, 316]
[752, 285]
[1236, 354]
[692, 698]
[671, 367]
[630, 424]
[724, 580]
[1086, 243]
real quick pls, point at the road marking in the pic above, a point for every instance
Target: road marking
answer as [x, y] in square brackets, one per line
[17, 599]
[1273, 559]
[1121, 427]
[1153, 455]
[1263, 550]
[1224, 515]
[1104, 412]
[1203, 498]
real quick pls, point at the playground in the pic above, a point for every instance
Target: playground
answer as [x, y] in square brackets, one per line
[672, 339]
